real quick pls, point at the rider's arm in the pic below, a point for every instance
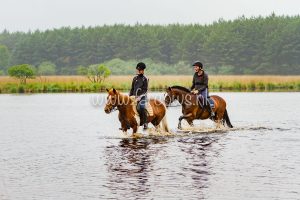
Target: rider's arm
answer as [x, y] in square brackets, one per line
[132, 86]
[145, 86]
[193, 85]
[205, 83]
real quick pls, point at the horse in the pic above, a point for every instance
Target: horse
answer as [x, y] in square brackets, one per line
[127, 114]
[191, 109]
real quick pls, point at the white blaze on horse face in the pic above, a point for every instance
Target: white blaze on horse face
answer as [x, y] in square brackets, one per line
[110, 100]
[108, 103]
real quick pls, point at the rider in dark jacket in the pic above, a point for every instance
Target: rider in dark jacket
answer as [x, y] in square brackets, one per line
[139, 89]
[200, 85]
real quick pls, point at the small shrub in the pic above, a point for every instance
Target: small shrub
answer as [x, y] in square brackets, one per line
[21, 89]
[251, 86]
[13, 90]
[270, 86]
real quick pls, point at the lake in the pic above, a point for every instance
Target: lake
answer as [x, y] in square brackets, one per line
[63, 146]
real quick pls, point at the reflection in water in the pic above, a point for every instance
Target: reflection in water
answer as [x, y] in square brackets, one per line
[128, 166]
[131, 165]
[197, 157]
[57, 155]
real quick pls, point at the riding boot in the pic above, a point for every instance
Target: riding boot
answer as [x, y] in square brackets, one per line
[210, 110]
[144, 119]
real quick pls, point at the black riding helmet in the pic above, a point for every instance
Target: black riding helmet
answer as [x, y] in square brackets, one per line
[141, 66]
[199, 64]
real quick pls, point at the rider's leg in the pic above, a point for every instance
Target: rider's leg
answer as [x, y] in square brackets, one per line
[143, 112]
[206, 103]
[200, 100]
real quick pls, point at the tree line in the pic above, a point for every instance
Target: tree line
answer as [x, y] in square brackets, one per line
[257, 45]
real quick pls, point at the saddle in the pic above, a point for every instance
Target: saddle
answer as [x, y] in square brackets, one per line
[210, 100]
[149, 108]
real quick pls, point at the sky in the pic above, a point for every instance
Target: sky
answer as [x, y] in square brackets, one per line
[25, 15]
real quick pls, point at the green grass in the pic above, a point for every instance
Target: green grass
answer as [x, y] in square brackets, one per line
[69, 84]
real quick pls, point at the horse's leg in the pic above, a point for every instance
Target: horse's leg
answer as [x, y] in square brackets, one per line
[157, 130]
[134, 130]
[190, 121]
[179, 122]
[156, 125]
[183, 117]
[218, 119]
[218, 124]
[124, 127]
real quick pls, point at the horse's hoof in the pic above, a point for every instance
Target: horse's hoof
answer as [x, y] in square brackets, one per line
[167, 134]
[136, 135]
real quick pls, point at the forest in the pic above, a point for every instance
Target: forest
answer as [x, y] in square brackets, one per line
[257, 45]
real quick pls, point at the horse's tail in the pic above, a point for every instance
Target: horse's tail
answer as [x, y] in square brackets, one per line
[227, 120]
[164, 124]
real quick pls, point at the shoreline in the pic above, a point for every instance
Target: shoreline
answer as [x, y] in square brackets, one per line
[217, 83]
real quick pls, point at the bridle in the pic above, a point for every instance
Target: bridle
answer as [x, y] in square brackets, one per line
[169, 105]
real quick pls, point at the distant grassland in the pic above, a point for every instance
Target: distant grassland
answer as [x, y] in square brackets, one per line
[157, 83]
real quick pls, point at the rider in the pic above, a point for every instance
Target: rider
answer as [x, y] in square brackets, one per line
[200, 85]
[139, 88]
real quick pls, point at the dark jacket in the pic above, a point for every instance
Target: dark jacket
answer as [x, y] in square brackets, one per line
[200, 82]
[139, 85]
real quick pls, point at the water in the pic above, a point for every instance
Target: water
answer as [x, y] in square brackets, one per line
[60, 146]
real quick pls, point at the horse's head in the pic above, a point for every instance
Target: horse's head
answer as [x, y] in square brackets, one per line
[112, 100]
[182, 94]
[170, 96]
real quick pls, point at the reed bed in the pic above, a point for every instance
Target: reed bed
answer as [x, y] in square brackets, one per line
[157, 83]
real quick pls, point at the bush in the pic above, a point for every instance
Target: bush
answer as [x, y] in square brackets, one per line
[46, 69]
[97, 73]
[22, 72]
[261, 85]
[21, 89]
[13, 90]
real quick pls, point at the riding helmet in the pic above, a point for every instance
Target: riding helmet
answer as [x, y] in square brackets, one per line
[141, 66]
[198, 63]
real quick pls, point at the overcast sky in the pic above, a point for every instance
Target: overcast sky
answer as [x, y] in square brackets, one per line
[24, 15]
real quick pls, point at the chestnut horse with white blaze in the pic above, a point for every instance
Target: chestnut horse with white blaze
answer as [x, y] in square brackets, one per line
[191, 109]
[127, 115]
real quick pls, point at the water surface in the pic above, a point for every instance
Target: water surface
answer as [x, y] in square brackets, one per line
[60, 146]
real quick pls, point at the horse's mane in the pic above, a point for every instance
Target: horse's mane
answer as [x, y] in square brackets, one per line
[181, 88]
[125, 97]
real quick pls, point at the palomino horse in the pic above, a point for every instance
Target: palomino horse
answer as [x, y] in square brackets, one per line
[127, 114]
[191, 109]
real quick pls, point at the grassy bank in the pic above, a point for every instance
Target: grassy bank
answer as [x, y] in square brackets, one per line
[157, 83]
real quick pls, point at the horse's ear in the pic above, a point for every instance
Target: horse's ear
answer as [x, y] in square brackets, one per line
[107, 90]
[169, 89]
[115, 91]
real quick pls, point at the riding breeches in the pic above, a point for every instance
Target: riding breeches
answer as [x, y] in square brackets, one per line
[204, 94]
[142, 103]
